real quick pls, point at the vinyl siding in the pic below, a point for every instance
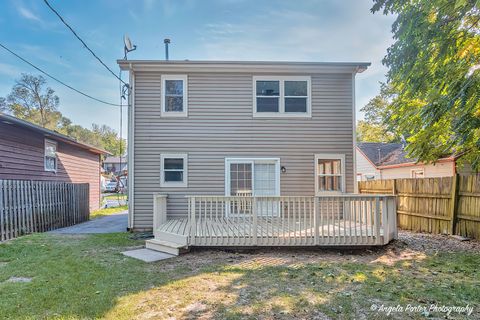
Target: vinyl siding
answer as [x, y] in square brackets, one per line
[365, 167]
[442, 169]
[220, 124]
[22, 158]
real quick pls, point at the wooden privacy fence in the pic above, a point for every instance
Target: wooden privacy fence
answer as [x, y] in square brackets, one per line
[448, 205]
[39, 206]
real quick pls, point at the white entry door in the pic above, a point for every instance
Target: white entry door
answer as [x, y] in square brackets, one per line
[254, 177]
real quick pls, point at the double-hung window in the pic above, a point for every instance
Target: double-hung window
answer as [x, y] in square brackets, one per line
[329, 173]
[50, 160]
[282, 96]
[173, 170]
[174, 96]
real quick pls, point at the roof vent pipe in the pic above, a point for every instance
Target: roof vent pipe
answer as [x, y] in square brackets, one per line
[166, 41]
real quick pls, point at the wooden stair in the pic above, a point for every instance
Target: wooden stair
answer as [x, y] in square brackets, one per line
[168, 242]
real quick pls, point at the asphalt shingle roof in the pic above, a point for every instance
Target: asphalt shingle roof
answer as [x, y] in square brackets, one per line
[384, 154]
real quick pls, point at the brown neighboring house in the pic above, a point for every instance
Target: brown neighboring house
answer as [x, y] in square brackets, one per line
[30, 152]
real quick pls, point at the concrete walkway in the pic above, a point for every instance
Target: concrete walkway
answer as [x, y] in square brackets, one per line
[113, 223]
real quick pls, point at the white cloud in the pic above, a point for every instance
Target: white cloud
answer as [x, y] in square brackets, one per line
[9, 70]
[353, 34]
[27, 14]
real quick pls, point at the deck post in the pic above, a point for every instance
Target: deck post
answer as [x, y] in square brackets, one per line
[255, 221]
[316, 212]
[159, 210]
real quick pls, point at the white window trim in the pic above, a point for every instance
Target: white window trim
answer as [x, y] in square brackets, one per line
[184, 78]
[281, 106]
[253, 160]
[170, 184]
[418, 170]
[45, 155]
[342, 165]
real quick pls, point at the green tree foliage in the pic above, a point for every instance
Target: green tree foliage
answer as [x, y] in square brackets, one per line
[31, 100]
[376, 125]
[433, 76]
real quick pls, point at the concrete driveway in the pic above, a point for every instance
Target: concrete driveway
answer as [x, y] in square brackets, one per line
[113, 223]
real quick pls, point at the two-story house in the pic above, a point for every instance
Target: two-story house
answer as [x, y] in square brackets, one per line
[249, 135]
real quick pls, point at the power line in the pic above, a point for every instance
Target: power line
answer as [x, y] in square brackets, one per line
[56, 79]
[83, 42]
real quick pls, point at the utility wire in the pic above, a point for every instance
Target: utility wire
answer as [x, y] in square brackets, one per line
[83, 42]
[56, 79]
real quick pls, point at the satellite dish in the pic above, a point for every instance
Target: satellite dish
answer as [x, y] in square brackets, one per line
[128, 45]
[128, 42]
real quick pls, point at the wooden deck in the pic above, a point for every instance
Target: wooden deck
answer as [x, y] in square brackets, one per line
[272, 232]
[225, 221]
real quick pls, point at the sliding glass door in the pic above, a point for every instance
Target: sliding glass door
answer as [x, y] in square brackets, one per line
[254, 177]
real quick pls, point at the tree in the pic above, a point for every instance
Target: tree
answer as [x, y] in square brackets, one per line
[433, 76]
[3, 104]
[30, 99]
[368, 132]
[376, 125]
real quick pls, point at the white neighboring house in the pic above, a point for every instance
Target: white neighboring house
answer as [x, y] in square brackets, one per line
[376, 161]
[115, 164]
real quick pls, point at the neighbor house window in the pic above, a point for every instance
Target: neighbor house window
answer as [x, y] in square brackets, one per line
[173, 170]
[329, 173]
[417, 173]
[50, 155]
[174, 95]
[282, 96]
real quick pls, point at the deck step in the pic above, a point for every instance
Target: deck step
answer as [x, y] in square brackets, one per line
[171, 237]
[164, 246]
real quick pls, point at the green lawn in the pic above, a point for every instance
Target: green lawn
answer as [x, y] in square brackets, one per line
[115, 196]
[108, 211]
[85, 276]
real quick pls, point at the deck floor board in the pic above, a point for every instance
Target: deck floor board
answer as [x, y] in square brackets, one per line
[271, 231]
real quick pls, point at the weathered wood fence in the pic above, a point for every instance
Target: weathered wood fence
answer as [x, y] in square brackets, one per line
[39, 206]
[449, 205]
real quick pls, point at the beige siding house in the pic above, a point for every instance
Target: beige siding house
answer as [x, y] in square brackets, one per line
[204, 134]
[376, 161]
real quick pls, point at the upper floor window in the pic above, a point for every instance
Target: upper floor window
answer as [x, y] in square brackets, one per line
[50, 160]
[282, 96]
[174, 96]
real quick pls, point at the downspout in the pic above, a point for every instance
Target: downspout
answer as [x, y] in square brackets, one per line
[354, 135]
[130, 148]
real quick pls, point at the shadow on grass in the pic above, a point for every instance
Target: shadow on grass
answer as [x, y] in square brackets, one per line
[87, 277]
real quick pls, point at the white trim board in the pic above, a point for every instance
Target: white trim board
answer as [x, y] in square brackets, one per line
[52, 142]
[340, 156]
[252, 160]
[171, 184]
[281, 113]
[184, 78]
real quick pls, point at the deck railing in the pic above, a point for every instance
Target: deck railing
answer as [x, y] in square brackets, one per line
[291, 220]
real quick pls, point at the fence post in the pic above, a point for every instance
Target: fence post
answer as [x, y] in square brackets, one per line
[454, 204]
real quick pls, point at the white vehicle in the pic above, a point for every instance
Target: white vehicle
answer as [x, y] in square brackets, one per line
[111, 186]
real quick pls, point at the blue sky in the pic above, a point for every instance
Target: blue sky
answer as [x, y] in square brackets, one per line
[301, 30]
